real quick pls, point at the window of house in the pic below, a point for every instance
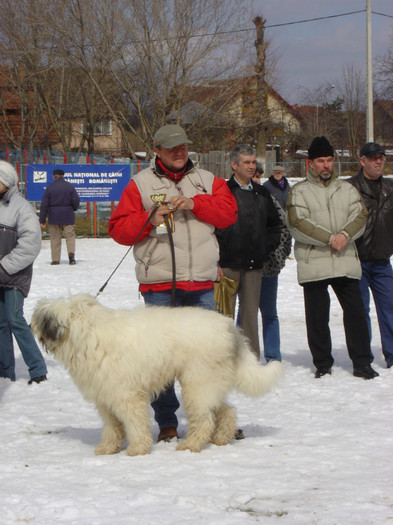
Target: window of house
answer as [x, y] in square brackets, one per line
[103, 127]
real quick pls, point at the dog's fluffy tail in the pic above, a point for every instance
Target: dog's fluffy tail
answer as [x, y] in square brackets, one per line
[252, 378]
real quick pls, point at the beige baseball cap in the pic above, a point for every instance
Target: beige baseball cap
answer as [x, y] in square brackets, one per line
[170, 136]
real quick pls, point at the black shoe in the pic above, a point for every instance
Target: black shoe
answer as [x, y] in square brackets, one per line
[322, 372]
[239, 434]
[366, 372]
[71, 258]
[38, 379]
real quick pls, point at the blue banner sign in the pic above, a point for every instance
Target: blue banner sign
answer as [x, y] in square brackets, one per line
[103, 182]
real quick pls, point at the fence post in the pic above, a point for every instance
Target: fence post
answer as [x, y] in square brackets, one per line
[88, 202]
[112, 203]
[95, 219]
[26, 160]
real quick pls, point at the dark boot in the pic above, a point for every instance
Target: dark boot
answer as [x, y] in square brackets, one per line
[38, 379]
[71, 258]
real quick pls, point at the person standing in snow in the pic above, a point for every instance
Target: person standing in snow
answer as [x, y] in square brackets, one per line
[196, 203]
[59, 203]
[20, 243]
[375, 247]
[326, 216]
[278, 186]
[245, 245]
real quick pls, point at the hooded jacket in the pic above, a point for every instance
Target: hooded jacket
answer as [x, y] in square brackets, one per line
[315, 214]
[377, 241]
[20, 240]
[195, 244]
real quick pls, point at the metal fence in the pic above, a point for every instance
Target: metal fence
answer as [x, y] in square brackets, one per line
[216, 162]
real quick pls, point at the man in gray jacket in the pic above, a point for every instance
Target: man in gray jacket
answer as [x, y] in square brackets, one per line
[326, 215]
[20, 243]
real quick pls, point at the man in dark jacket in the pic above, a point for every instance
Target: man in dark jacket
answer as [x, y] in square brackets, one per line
[60, 202]
[375, 247]
[246, 244]
[278, 185]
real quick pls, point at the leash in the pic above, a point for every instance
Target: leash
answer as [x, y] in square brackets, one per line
[128, 251]
[172, 247]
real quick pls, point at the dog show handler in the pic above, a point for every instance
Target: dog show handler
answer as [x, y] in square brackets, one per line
[196, 203]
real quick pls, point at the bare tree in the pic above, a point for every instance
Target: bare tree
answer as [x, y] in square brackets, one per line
[384, 72]
[351, 88]
[153, 50]
[133, 61]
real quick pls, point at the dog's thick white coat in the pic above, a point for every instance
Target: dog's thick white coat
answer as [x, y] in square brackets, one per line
[121, 359]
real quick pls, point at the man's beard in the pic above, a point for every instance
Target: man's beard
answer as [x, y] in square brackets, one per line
[325, 177]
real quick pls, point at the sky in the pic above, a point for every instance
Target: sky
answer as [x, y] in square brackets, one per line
[316, 52]
[316, 452]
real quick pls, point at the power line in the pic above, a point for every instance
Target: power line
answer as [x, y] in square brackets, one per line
[382, 14]
[315, 19]
[306, 20]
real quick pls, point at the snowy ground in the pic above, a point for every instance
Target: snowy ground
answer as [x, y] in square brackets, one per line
[316, 452]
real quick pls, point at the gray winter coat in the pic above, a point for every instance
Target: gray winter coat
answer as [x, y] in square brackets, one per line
[315, 214]
[20, 241]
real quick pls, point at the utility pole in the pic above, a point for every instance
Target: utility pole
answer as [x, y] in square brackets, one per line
[369, 63]
[260, 46]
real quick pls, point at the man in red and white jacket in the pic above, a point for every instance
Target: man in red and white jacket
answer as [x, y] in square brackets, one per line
[197, 203]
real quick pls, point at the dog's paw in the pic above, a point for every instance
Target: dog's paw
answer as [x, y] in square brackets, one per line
[107, 448]
[138, 450]
[221, 440]
[187, 445]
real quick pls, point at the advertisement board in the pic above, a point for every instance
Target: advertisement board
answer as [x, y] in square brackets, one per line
[103, 182]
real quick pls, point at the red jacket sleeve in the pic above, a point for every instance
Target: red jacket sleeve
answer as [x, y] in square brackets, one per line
[219, 208]
[129, 217]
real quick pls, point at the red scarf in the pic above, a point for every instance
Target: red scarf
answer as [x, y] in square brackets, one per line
[173, 175]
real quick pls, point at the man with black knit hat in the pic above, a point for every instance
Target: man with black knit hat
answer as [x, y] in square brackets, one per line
[375, 247]
[196, 203]
[326, 215]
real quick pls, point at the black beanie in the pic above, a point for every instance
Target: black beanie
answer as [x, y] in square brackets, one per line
[320, 147]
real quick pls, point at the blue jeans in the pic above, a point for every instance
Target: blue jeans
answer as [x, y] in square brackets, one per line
[12, 321]
[270, 322]
[378, 276]
[166, 404]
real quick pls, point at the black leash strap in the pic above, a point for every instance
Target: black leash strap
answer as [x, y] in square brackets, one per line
[127, 252]
[172, 246]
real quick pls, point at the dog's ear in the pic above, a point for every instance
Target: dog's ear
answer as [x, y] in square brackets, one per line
[51, 330]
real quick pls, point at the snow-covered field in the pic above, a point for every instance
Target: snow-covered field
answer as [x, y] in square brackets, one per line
[316, 451]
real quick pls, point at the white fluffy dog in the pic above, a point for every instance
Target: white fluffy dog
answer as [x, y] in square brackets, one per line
[121, 359]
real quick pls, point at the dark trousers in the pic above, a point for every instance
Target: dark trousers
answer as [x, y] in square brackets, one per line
[317, 308]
